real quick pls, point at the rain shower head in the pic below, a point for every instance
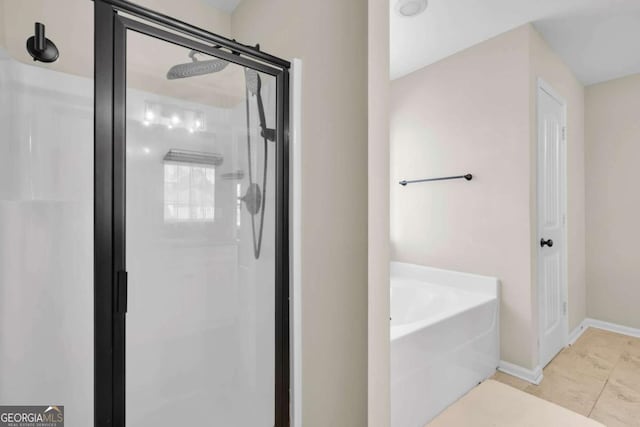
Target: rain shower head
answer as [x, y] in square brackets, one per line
[200, 68]
[196, 68]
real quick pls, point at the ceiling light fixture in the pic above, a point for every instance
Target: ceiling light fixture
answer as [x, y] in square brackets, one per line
[410, 8]
[173, 117]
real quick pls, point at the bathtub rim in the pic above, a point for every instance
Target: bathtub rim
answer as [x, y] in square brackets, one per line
[488, 286]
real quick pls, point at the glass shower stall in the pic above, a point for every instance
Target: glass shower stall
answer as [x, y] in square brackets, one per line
[144, 228]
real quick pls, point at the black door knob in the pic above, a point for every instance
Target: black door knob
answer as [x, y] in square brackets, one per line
[546, 242]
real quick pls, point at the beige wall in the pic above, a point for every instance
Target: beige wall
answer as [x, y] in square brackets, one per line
[469, 113]
[195, 12]
[476, 112]
[69, 23]
[2, 24]
[613, 200]
[330, 37]
[379, 93]
[547, 65]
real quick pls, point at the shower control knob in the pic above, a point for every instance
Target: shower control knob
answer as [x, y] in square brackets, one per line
[548, 242]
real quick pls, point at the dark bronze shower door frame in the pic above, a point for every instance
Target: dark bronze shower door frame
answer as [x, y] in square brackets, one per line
[110, 280]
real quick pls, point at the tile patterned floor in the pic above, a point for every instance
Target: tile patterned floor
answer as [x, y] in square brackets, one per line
[598, 376]
[494, 404]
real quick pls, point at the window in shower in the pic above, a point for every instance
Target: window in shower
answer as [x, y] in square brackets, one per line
[189, 192]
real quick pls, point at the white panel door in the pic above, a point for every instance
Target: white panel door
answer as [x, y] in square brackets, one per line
[551, 223]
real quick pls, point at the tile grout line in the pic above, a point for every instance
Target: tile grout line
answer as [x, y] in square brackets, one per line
[599, 396]
[605, 384]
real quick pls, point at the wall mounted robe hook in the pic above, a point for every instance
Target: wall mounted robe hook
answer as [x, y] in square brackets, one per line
[41, 48]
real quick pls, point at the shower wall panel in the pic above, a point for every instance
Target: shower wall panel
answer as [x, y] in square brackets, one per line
[46, 243]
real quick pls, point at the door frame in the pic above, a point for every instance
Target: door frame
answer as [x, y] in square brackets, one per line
[542, 85]
[110, 281]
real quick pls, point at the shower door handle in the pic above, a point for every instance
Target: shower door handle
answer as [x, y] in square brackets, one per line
[548, 242]
[121, 292]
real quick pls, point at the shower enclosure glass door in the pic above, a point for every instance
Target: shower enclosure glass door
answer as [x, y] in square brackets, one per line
[198, 274]
[200, 257]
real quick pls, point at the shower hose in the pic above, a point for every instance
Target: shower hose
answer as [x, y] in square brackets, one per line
[257, 240]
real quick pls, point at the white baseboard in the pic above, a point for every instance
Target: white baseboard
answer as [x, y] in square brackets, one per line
[601, 324]
[577, 332]
[534, 376]
[612, 327]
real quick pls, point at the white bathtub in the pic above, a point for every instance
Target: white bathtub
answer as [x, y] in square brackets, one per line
[444, 339]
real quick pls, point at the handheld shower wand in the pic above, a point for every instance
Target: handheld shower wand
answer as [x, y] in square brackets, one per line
[254, 198]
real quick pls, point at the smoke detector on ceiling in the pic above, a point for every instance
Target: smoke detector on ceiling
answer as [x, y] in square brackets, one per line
[409, 8]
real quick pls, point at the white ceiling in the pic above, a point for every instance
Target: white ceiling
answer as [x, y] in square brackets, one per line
[227, 5]
[598, 39]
